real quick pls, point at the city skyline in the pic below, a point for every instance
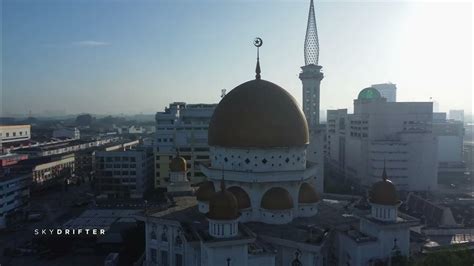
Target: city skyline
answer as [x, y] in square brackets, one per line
[119, 57]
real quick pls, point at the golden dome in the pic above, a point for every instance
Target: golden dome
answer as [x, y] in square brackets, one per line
[223, 206]
[178, 164]
[242, 197]
[308, 194]
[384, 192]
[205, 191]
[258, 114]
[277, 199]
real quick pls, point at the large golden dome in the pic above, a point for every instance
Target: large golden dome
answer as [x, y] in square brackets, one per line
[258, 114]
[277, 198]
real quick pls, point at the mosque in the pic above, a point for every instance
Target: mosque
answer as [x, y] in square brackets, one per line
[261, 204]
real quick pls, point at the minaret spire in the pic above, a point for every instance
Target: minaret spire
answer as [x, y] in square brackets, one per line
[257, 42]
[311, 42]
[384, 173]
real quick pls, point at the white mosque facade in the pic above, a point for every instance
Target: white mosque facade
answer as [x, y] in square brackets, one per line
[260, 204]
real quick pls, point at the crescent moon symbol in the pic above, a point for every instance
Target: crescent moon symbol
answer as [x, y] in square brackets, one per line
[258, 42]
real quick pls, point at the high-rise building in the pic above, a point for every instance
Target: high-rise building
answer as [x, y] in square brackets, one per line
[450, 137]
[456, 115]
[182, 128]
[388, 91]
[398, 133]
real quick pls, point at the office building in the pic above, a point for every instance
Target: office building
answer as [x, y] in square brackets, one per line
[182, 128]
[397, 133]
[123, 174]
[387, 90]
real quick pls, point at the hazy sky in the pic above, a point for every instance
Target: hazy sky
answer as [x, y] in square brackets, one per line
[137, 56]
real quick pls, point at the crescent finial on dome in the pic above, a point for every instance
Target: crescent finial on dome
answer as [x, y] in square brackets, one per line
[257, 42]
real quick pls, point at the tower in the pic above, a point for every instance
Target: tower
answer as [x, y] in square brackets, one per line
[311, 74]
[311, 77]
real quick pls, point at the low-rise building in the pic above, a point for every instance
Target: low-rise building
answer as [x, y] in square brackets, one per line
[64, 147]
[46, 171]
[11, 134]
[14, 197]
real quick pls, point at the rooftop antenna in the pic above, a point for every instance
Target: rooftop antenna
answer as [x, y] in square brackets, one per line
[223, 92]
[222, 180]
[258, 42]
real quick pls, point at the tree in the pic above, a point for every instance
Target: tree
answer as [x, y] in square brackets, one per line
[451, 257]
[84, 120]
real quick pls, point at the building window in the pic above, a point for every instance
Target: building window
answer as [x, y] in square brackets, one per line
[153, 235]
[164, 258]
[178, 241]
[164, 236]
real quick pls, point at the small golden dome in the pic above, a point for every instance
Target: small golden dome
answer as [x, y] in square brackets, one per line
[223, 206]
[205, 191]
[384, 192]
[258, 114]
[277, 199]
[242, 197]
[308, 194]
[178, 164]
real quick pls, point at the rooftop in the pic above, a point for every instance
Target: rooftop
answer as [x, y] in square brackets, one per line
[313, 229]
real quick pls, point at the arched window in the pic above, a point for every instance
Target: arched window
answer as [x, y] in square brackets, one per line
[178, 241]
[153, 235]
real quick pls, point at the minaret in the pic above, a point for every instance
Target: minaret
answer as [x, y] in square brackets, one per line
[311, 77]
[311, 74]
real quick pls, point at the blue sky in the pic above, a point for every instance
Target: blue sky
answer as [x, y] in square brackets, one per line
[137, 56]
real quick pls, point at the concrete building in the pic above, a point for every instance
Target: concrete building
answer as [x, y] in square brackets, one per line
[68, 133]
[182, 127]
[399, 133]
[450, 138]
[11, 134]
[85, 158]
[457, 115]
[64, 147]
[46, 171]
[14, 197]
[387, 90]
[123, 174]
